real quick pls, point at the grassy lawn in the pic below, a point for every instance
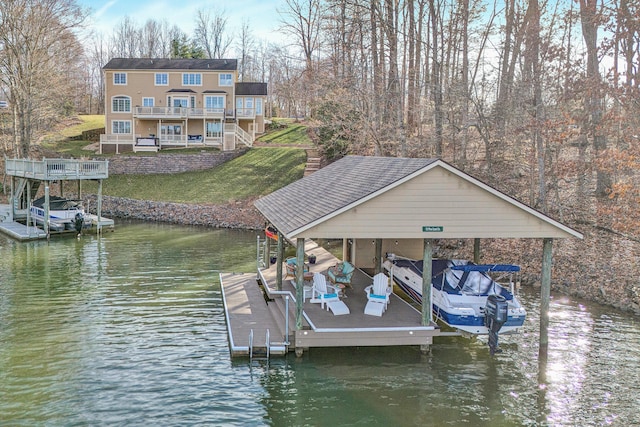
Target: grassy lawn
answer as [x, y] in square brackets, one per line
[291, 134]
[260, 171]
[60, 141]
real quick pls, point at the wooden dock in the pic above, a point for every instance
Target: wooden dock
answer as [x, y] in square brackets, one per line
[254, 303]
[22, 232]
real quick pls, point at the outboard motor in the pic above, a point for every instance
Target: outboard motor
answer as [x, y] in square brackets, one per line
[78, 222]
[495, 315]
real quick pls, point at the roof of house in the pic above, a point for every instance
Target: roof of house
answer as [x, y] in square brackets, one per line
[251, 88]
[392, 197]
[171, 64]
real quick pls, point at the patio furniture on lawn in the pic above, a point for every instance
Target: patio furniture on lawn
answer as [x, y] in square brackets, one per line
[377, 295]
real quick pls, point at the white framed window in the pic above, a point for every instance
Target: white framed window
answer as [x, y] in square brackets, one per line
[162, 79]
[214, 129]
[171, 130]
[148, 102]
[192, 79]
[214, 103]
[248, 105]
[177, 101]
[258, 106]
[225, 79]
[121, 126]
[121, 104]
[119, 78]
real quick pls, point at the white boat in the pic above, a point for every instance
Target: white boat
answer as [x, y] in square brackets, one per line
[463, 293]
[64, 214]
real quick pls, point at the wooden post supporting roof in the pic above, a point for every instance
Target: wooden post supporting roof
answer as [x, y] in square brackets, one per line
[427, 314]
[299, 281]
[378, 257]
[545, 292]
[279, 260]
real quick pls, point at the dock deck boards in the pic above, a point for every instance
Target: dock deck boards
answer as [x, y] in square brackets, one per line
[401, 324]
[22, 232]
[246, 311]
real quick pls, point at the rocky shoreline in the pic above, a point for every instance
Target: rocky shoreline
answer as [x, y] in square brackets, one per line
[236, 215]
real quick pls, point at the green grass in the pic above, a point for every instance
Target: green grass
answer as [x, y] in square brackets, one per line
[260, 171]
[294, 134]
[62, 142]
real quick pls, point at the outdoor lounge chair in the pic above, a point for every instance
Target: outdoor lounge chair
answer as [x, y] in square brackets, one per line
[341, 273]
[291, 263]
[327, 295]
[377, 295]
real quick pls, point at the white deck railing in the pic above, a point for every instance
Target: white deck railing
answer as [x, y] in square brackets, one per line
[54, 169]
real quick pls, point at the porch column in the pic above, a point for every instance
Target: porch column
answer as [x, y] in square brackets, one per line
[299, 281]
[345, 250]
[427, 316]
[545, 292]
[267, 252]
[378, 257]
[476, 250]
[280, 259]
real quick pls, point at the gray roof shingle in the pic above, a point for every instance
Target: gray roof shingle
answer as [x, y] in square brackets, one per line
[171, 64]
[251, 88]
[334, 187]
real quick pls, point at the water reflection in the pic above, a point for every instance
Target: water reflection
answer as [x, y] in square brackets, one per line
[129, 329]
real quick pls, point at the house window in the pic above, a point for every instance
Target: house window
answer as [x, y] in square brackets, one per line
[119, 78]
[148, 102]
[193, 102]
[192, 79]
[178, 102]
[239, 109]
[121, 104]
[226, 79]
[214, 129]
[171, 130]
[248, 106]
[162, 79]
[258, 106]
[214, 104]
[121, 126]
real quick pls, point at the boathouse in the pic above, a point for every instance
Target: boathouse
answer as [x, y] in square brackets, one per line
[379, 205]
[27, 176]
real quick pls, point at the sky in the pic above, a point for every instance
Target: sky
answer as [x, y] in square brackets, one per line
[262, 15]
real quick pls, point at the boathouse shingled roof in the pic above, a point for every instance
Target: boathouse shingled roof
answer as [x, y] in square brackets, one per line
[334, 187]
[401, 198]
[171, 64]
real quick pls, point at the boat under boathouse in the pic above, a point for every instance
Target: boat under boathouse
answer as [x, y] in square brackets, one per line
[27, 177]
[374, 205]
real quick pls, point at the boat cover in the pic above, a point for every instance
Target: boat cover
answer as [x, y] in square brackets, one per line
[459, 277]
[57, 203]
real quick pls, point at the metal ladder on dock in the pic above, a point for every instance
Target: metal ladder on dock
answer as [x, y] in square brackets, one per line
[267, 346]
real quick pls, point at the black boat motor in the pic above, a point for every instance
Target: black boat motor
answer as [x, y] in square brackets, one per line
[78, 222]
[495, 315]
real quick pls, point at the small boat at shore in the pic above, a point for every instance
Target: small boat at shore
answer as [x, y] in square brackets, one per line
[463, 293]
[64, 214]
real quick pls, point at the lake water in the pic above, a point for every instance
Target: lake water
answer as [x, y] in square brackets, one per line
[128, 329]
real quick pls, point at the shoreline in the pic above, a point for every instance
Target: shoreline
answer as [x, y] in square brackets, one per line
[233, 215]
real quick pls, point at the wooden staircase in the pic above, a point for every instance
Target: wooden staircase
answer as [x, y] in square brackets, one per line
[314, 162]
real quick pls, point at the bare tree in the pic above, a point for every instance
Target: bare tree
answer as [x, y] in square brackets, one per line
[35, 41]
[210, 32]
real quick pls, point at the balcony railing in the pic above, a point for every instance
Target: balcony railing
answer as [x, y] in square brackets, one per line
[246, 113]
[177, 113]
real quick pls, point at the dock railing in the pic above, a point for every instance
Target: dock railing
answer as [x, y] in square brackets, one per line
[56, 169]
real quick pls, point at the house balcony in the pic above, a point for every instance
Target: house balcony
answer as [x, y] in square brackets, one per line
[166, 113]
[246, 113]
